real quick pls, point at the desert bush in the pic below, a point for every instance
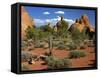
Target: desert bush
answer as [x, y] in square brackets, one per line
[24, 44]
[71, 46]
[61, 47]
[55, 43]
[90, 44]
[82, 46]
[25, 56]
[55, 63]
[63, 30]
[77, 54]
[30, 32]
[39, 46]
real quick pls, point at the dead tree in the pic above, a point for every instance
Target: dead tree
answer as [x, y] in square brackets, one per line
[50, 45]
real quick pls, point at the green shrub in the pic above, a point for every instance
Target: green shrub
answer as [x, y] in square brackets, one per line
[61, 47]
[39, 45]
[77, 54]
[55, 43]
[55, 63]
[71, 46]
[30, 32]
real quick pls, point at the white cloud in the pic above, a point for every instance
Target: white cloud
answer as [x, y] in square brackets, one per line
[46, 13]
[70, 21]
[59, 12]
[47, 20]
[39, 22]
[53, 21]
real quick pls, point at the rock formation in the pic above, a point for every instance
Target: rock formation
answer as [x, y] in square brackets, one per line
[87, 23]
[60, 24]
[26, 21]
[82, 23]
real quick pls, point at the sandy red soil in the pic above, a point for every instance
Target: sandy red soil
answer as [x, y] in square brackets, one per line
[86, 61]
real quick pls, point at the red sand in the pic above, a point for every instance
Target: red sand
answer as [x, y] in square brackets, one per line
[79, 62]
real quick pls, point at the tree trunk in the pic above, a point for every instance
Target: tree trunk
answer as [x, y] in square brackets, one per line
[50, 45]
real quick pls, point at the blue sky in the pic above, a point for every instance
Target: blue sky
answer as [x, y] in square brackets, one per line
[42, 15]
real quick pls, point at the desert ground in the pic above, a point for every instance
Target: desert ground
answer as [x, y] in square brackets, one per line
[86, 61]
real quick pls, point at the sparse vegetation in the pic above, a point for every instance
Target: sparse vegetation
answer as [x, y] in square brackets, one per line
[61, 46]
[55, 63]
[38, 45]
[72, 46]
[45, 37]
[47, 44]
[77, 54]
[25, 56]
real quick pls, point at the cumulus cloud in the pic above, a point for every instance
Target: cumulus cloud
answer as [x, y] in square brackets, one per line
[53, 21]
[70, 21]
[46, 13]
[59, 12]
[40, 22]
[47, 20]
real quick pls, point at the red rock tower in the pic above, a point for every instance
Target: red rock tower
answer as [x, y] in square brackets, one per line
[26, 21]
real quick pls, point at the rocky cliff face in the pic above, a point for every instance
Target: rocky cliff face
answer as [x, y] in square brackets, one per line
[26, 20]
[82, 23]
